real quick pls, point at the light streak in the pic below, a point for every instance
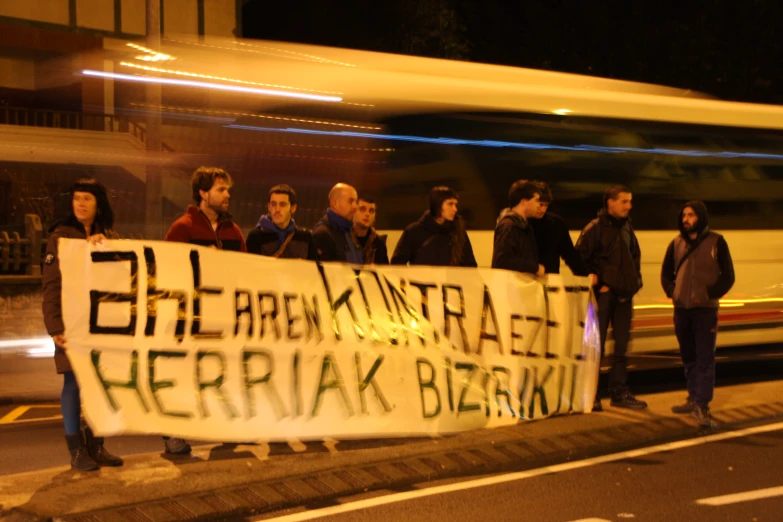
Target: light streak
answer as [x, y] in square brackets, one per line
[213, 86]
[520, 145]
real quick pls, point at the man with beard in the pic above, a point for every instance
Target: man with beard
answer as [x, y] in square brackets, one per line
[276, 234]
[697, 271]
[365, 237]
[332, 234]
[207, 223]
[611, 255]
[439, 237]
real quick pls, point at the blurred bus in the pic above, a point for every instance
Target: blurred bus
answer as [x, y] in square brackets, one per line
[395, 126]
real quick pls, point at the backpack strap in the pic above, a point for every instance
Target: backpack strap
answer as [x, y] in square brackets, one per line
[689, 252]
[284, 245]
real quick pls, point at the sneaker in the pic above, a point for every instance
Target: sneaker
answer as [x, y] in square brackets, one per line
[686, 407]
[703, 416]
[177, 446]
[597, 404]
[625, 399]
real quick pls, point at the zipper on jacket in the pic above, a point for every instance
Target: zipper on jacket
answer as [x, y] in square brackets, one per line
[214, 230]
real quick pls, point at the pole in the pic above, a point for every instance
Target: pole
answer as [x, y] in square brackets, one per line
[154, 182]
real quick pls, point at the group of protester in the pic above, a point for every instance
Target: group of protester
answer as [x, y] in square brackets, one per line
[697, 269]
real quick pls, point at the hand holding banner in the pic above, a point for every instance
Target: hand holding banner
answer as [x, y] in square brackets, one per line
[200, 343]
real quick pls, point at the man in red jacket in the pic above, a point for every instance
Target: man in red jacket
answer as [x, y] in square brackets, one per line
[207, 223]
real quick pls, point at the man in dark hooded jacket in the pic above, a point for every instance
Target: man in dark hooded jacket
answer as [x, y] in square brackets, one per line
[364, 235]
[276, 234]
[611, 255]
[515, 247]
[697, 271]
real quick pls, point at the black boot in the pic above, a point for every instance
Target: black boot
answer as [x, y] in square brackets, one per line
[98, 451]
[80, 456]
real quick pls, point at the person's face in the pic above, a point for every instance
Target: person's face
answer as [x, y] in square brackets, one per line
[532, 206]
[448, 209]
[280, 210]
[365, 214]
[346, 202]
[217, 197]
[542, 206]
[620, 206]
[689, 219]
[85, 206]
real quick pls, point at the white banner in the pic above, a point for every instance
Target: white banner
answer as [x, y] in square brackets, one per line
[193, 342]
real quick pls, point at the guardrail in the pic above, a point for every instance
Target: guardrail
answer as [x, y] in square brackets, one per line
[22, 255]
[56, 119]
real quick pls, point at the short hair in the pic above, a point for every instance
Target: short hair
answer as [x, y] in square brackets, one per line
[204, 178]
[367, 199]
[283, 189]
[522, 189]
[438, 195]
[614, 192]
[545, 191]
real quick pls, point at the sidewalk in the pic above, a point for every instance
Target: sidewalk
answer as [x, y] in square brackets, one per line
[247, 479]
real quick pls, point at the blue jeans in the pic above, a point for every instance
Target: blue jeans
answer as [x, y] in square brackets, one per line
[70, 404]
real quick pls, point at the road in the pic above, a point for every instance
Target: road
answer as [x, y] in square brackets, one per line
[31, 433]
[737, 478]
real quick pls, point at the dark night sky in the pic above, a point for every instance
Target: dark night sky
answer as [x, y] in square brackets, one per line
[727, 48]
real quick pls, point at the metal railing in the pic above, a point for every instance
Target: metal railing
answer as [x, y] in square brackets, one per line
[56, 119]
[22, 255]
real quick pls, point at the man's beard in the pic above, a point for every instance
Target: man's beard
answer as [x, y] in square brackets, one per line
[218, 209]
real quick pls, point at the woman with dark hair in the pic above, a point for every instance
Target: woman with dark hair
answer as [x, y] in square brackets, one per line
[90, 218]
[438, 238]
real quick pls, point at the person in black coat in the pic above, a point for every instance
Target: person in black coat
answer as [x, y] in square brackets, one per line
[515, 247]
[332, 234]
[276, 234]
[439, 237]
[365, 236]
[90, 218]
[552, 238]
[611, 254]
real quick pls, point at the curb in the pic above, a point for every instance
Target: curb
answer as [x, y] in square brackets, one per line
[262, 497]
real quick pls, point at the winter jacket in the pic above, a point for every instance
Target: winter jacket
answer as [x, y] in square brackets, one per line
[52, 282]
[373, 247]
[553, 242]
[696, 273]
[609, 248]
[514, 247]
[332, 237]
[266, 240]
[426, 242]
[194, 228]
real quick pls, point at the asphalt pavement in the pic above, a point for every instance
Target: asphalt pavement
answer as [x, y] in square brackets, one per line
[734, 479]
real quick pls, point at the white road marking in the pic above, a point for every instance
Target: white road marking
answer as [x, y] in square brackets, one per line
[742, 497]
[521, 475]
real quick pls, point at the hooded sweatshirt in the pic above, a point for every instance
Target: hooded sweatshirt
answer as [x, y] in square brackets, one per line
[697, 272]
[514, 247]
[427, 242]
[267, 240]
